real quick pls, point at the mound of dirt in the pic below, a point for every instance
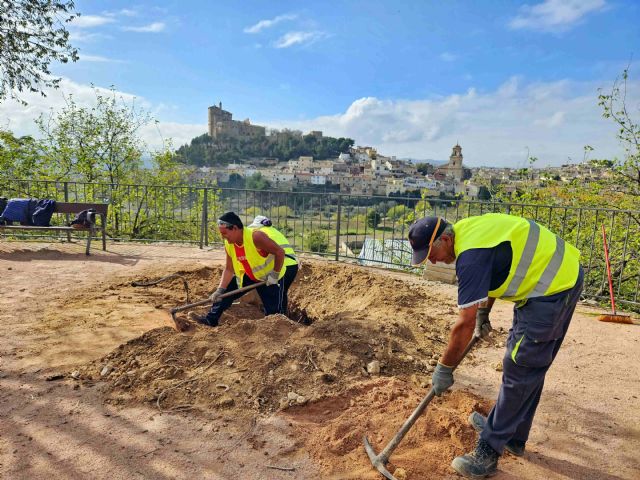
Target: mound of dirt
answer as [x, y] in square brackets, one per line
[334, 429]
[319, 365]
[344, 319]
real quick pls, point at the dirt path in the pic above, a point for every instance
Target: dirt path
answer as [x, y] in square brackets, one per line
[223, 410]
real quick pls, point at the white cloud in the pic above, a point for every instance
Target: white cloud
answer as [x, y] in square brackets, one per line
[555, 120]
[297, 38]
[151, 28]
[90, 21]
[264, 24]
[98, 59]
[555, 15]
[448, 57]
[77, 36]
[21, 120]
[128, 13]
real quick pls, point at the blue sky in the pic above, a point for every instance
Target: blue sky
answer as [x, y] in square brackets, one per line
[408, 77]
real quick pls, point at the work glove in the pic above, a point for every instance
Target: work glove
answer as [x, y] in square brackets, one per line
[483, 325]
[215, 296]
[442, 378]
[272, 278]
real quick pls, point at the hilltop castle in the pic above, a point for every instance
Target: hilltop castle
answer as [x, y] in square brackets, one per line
[221, 124]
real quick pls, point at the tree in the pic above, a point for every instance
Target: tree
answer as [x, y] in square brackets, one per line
[373, 218]
[20, 157]
[317, 242]
[425, 168]
[32, 35]
[257, 182]
[99, 143]
[484, 194]
[614, 107]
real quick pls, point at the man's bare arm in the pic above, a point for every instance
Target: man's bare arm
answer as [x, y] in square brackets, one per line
[460, 337]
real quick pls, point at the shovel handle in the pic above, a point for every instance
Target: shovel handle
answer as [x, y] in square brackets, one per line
[206, 301]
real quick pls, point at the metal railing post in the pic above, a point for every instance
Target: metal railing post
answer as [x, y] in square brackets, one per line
[204, 227]
[338, 229]
[66, 199]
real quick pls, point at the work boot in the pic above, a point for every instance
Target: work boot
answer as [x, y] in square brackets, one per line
[480, 463]
[202, 319]
[513, 446]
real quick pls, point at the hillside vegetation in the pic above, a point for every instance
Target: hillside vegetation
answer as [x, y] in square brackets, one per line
[206, 151]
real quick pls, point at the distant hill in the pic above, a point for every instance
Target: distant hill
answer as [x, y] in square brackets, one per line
[205, 151]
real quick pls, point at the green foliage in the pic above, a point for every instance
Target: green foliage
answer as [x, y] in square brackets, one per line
[398, 212]
[425, 168]
[257, 182]
[282, 211]
[32, 35]
[253, 211]
[317, 242]
[94, 144]
[373, 218]
[205, 151]
[484, 194]
[615, 108]
[20, 157]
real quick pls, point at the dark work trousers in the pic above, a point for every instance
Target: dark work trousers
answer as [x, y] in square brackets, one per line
[274, 297]
[539, 327]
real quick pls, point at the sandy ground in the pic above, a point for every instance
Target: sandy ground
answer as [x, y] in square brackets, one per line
[94, 382]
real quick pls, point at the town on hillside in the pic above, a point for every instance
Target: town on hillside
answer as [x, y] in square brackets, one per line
[362, 170]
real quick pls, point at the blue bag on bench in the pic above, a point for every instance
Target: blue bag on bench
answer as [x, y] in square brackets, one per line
[42, 212]
[16, 210]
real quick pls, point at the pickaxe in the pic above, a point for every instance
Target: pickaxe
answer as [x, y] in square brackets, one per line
[380, 461]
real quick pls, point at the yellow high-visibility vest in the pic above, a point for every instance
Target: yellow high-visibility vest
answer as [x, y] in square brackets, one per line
[260, 266]
[542, 263]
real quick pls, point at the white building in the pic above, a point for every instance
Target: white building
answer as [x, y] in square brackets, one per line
[318, 180]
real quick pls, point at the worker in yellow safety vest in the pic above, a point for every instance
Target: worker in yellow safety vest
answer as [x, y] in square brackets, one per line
[515, 259]
[254, 254]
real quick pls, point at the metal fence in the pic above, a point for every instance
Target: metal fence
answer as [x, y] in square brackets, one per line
[367, 229]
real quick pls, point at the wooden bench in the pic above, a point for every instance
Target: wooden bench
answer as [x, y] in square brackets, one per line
[73, 208]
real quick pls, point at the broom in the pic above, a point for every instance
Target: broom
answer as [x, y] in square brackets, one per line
[613, 317]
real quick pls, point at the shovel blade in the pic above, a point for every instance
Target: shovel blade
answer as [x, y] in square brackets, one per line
[379, 462]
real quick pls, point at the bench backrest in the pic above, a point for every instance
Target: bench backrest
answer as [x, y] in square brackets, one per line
[66, 207]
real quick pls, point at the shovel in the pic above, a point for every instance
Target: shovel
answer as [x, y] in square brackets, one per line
[380, 461]
[206, 301]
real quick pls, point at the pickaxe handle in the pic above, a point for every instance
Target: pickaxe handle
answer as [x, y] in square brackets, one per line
[380, 461]
[206, 301]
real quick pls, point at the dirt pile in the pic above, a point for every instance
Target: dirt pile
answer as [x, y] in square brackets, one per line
[354, 318]
[334, 429]
[316, 365]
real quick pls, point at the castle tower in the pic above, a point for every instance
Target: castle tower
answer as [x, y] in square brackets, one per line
[454, 168]
[217, 115]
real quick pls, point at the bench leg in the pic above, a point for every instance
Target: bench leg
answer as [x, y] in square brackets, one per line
[104, 232]
[89, 236]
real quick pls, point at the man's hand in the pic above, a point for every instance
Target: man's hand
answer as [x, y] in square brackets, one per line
[483, 325]
[442, 378]
[272, 278]
[215, 296]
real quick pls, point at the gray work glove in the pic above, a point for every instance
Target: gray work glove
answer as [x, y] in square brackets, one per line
[442, 378]
[272, 278]
[215, 296]
[483, 325]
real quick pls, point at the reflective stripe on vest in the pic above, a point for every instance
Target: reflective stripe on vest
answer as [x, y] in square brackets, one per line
[542, 263]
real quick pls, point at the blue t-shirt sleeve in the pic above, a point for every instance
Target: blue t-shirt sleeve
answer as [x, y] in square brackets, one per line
[473, 268]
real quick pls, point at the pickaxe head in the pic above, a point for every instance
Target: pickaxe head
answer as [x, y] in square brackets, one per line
[378, 461]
